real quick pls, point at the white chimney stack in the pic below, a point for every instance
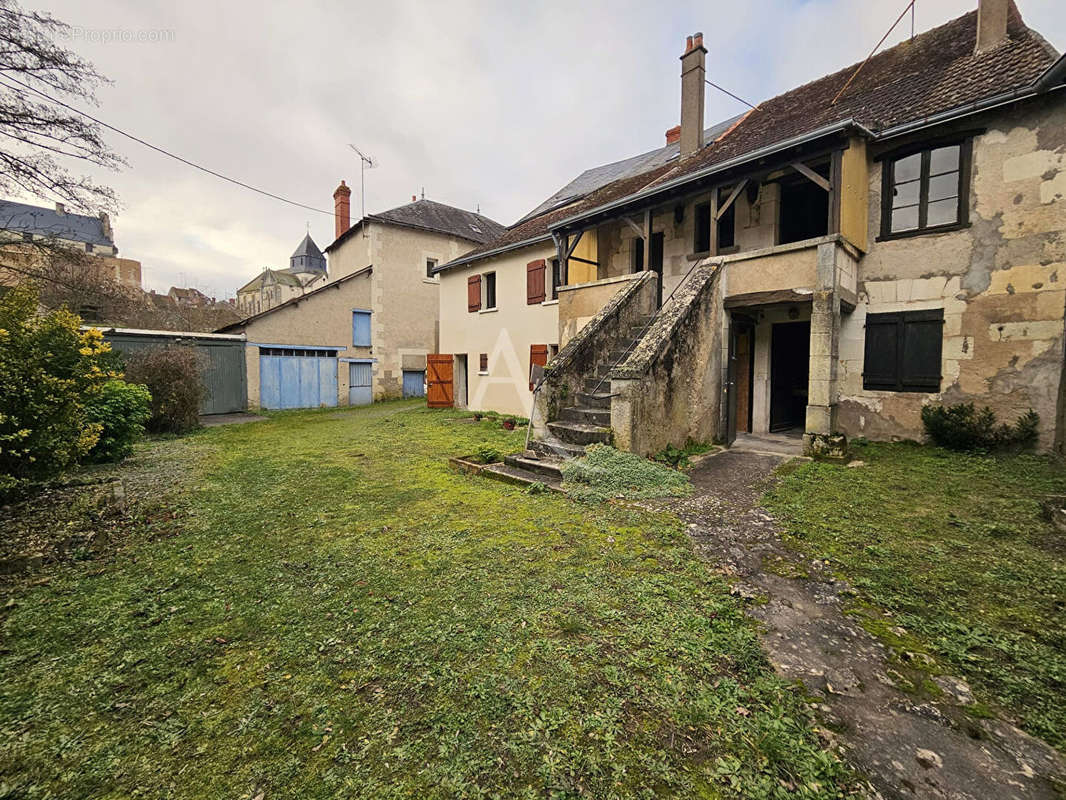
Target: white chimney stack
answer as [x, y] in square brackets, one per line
[991, 24]
[693, 76]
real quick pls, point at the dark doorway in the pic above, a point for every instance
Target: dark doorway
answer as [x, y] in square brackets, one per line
[655, 257]
[790, 349]
[804, 209]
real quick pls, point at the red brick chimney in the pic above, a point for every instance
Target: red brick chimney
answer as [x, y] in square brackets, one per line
[342, 209]
[673, 135]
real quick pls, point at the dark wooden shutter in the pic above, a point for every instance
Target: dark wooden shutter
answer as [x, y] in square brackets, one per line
[473, 293]
[880, 368]
[923, 339]
[535, 282]
[538, 356]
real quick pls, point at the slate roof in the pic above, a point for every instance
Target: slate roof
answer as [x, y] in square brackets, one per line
[282, 276]
[935, 72]
[307, 248]
[430, 215]
[23, 218]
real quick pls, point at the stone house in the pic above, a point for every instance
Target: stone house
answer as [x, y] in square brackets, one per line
[365, 333]
[91, 237]
[882, 238]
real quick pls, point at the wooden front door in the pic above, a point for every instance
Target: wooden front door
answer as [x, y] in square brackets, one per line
[439, 391]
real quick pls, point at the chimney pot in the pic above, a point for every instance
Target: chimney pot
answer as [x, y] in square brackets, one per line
[341, 209]
[991, 24]
[414, 198]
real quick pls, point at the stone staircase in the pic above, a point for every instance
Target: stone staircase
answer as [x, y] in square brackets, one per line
[587, 422]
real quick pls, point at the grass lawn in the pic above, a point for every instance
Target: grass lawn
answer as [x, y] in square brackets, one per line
[324, 609]
[954, 548]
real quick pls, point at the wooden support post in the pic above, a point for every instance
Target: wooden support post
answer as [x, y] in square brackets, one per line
[647, 239]
[810, 174]
[732, 196]
[713, 249]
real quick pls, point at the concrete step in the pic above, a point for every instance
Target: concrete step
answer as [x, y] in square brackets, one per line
[518, 476]
[617, 356]
[549, 467]
[603, 370]
[601, 400]
[580, 432]
[591, 416]
[550, 446]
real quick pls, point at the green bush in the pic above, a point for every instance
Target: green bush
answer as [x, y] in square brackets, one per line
[121, 409]
[48, 371]
[963, 427]
[603, 473]
[174, 377]
[678, 457]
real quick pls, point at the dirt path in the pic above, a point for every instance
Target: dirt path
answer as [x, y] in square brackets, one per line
[908, 748]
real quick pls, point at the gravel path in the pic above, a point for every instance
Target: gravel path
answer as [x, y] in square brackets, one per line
[907, 748]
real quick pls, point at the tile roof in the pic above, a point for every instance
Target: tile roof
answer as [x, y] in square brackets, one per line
[430, 215]
[23, 218]
[282, 276]
[935, 72]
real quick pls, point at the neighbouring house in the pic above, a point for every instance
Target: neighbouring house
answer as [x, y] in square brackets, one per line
[91, 238]
[365, 334]
[189, 296]
[272, 287]
[882, 238]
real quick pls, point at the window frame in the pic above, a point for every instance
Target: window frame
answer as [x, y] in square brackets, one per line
[483, 364]
[431, 264]
[888, 167]
[556, 278]
[363, 312]
[901, 319]
[488, 278]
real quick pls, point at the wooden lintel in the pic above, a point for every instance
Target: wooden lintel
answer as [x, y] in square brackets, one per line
[810, 174]
[779, 297]
[733, 195]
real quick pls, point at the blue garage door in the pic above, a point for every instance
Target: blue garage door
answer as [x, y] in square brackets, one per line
[297, 378]
[359, 383]
[414, 383]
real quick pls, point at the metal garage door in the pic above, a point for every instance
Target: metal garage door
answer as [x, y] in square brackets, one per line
[414, 383]
[297, 378]
[359, 383]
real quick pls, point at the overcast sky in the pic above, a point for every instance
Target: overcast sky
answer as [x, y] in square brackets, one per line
[496, 104]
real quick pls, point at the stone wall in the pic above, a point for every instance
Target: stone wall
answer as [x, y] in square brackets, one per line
[669, 390]
[1001, 283]
[579, 304]
[608, 330]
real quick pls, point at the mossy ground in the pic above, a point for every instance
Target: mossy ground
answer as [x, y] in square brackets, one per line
[327, 610]
[954, 547]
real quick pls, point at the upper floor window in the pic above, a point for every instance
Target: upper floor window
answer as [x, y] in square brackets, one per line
[360, 328]
[88, 247]
[702, 239]
[557, 279]
[431, 264]
[926, 190]
[488, 286]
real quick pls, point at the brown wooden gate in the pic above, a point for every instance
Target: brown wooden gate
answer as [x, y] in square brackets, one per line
[439, 390]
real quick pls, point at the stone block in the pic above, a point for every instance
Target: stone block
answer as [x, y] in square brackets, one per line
[819, 445]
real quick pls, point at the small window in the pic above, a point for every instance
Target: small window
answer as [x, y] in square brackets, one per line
[431, 264]
[925, 191]
[637, 255]
[483, 363]
[557, 279]
[488, 284]
[702, 239]
[88, 247]
[360, 328]
[27, 236]
[903, 351]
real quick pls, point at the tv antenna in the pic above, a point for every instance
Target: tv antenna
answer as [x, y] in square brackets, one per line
[365, 163]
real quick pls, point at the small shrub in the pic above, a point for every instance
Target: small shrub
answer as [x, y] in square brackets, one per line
[173, 376]
[603, 473]
[121, 409]
[48, 370]
[678, 457]
[963, 427]
[486, 454]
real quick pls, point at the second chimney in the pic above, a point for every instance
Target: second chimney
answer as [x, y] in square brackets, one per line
[991, 24]
[342, 215]
[693, 75]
